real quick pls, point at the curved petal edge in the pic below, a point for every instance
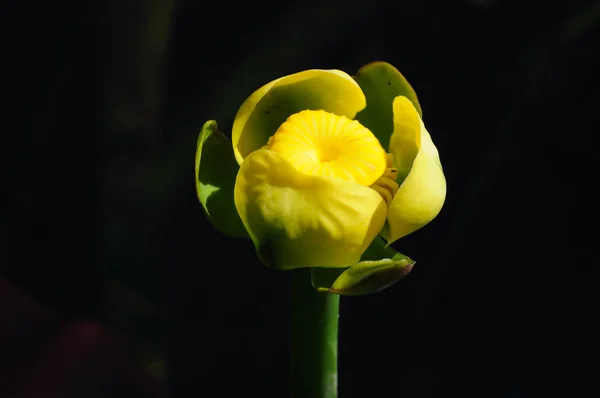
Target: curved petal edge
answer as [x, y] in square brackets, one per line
[423, 192]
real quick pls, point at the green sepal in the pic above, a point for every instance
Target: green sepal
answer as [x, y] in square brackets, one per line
[216, 170]
[381, 83]
[380, 268]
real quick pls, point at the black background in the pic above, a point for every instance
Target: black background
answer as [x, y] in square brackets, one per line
[100, 222]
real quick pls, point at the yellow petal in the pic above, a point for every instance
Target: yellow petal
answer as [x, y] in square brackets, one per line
[423, 191]
[406, 137]
[300, 220]
[266, 109]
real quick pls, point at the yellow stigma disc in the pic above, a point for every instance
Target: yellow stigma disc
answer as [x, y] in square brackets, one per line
[323, 144]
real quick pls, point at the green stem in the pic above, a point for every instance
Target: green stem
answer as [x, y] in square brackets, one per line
[314, 339]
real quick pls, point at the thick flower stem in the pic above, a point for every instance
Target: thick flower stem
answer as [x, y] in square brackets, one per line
[314, 339]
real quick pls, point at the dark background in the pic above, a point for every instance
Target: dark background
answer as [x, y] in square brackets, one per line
[105, 247]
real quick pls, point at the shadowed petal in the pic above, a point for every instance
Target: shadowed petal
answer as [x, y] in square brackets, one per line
[267, 108]
[299, 220]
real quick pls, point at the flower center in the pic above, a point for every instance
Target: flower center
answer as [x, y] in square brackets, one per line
[323, 144]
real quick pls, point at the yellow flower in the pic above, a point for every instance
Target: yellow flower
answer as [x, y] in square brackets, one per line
[327, 162]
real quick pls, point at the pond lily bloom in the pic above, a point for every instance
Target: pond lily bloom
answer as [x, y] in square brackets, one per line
[327, 163]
